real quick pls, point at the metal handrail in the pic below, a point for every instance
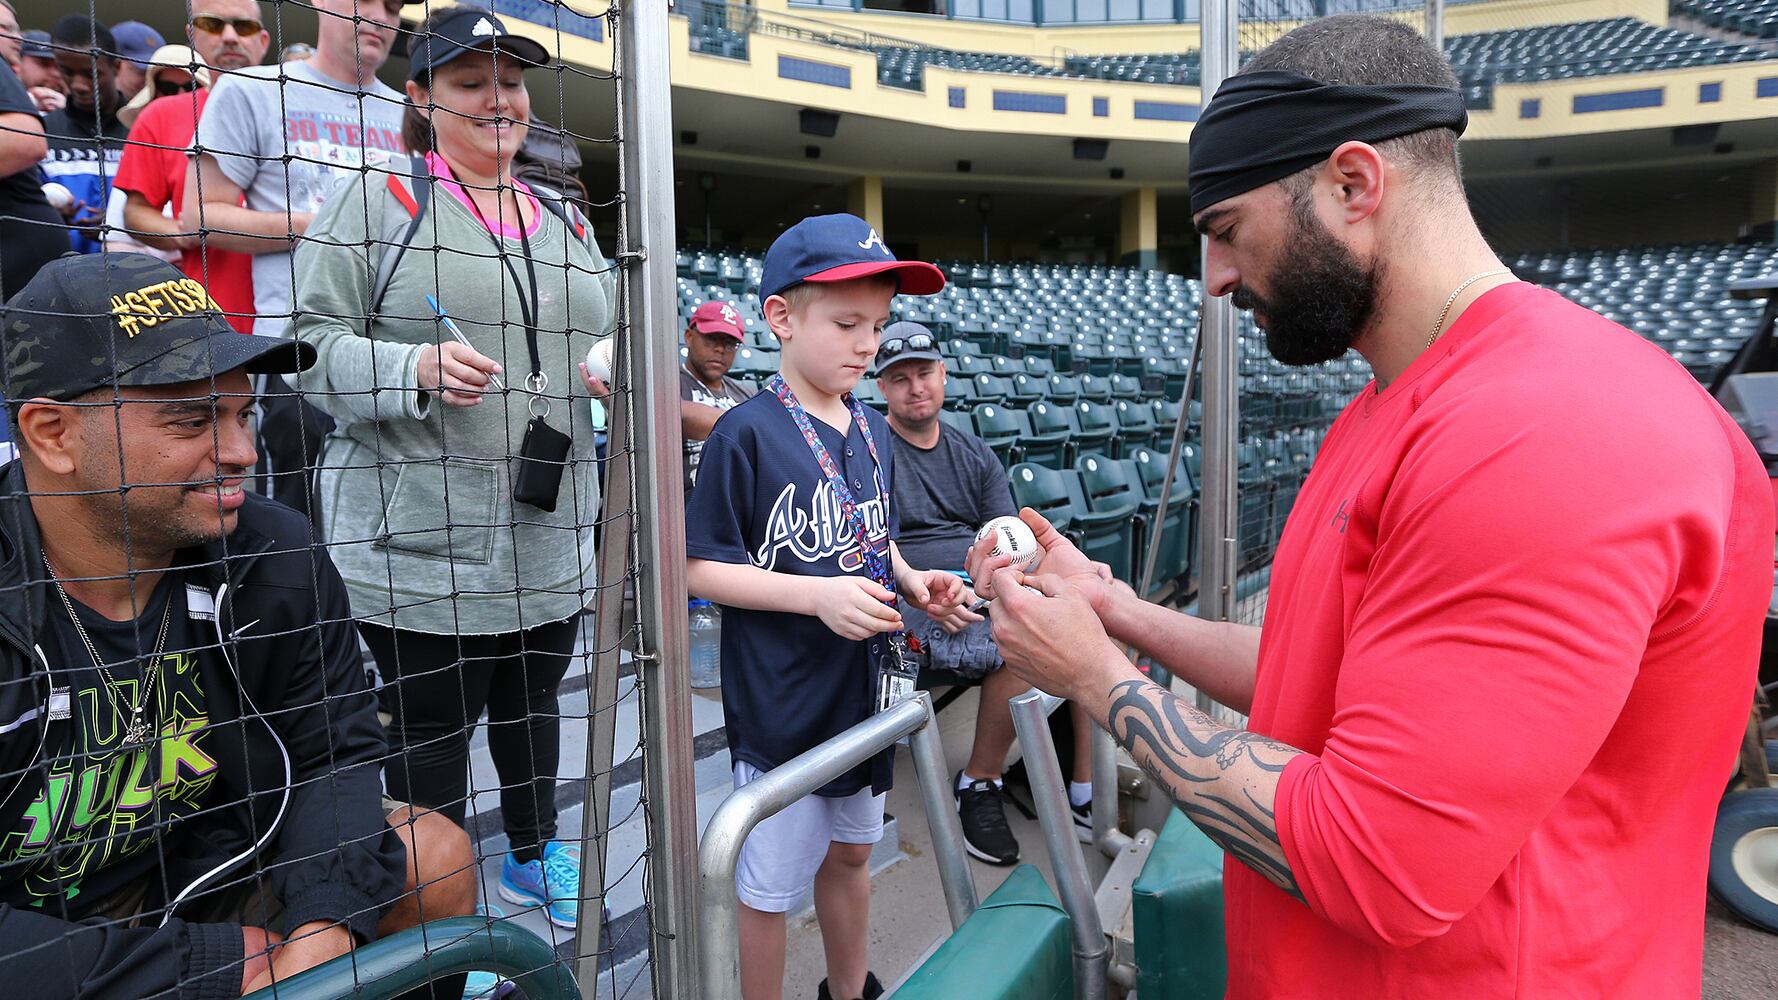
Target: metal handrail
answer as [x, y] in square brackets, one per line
[1030, 712]
[748, 806]
[392, 966]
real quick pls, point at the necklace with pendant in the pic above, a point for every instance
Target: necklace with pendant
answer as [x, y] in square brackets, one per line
[136, 726]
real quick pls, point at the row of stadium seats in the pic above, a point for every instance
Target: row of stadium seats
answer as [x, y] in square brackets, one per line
[1483, 60]
[1749, 17]
[1102, 321]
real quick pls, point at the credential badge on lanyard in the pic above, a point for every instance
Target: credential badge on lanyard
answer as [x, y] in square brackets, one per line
[896, 672]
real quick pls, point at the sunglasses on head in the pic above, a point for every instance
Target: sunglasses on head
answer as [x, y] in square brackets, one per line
[167, 88]
[210, 24]
[902, 345]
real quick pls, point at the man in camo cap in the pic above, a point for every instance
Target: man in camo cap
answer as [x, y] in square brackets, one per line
[163, 624]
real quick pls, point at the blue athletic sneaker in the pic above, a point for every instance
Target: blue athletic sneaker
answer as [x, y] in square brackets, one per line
[486, 985]
[553, 883]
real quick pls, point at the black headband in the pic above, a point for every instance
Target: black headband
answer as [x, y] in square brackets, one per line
[1263, 127]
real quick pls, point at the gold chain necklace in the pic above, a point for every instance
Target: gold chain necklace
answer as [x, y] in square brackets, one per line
[136, 730]
[1439, 327]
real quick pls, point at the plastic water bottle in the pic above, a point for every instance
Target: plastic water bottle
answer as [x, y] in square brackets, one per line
[706, 644]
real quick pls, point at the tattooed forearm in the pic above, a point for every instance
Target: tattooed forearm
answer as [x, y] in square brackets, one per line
[1223, 779]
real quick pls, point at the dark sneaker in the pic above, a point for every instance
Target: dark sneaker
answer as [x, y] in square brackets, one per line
[1083, 821]
[872, 989]
[982, 807]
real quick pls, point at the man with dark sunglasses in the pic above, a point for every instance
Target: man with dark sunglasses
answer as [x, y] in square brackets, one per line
[226, 35]
[948, 484]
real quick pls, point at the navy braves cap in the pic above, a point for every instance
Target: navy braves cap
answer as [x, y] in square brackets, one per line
[467, 29]
[839, 248]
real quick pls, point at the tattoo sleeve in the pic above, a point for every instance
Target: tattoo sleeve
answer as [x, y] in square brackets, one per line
[1224, 779]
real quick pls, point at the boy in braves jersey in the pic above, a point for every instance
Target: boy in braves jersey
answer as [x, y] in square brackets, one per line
[790, 530]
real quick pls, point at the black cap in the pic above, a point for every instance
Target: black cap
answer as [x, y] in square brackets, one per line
[86, 321]
[469, 29]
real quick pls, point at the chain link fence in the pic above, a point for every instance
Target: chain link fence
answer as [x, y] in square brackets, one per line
[397, 717]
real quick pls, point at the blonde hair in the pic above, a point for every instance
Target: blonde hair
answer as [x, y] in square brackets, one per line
[804, 293]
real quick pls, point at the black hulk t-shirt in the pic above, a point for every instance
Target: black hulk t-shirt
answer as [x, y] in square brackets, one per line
[105, 810]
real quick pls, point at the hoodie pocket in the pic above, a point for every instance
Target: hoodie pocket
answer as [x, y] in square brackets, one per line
[443, 510]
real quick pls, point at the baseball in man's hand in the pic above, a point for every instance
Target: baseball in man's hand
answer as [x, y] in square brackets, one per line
[1013, 539]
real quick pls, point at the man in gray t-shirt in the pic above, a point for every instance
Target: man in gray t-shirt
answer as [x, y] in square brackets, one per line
[948, 483]
[273, 143]
[329, 113]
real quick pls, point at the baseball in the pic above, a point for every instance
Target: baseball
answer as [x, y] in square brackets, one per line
[59, 197]
[598, 359]
[1012, 538]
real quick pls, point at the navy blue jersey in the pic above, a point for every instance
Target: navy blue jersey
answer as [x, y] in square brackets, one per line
[788, 682]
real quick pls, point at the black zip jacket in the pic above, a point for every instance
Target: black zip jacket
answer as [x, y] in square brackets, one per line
[294, 731]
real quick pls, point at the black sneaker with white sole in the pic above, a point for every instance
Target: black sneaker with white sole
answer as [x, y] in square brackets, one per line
[981, 805]
[1083, 821]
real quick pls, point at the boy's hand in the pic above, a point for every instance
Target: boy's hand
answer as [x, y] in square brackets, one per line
[853, 606]
[933, 591]
[960, 617]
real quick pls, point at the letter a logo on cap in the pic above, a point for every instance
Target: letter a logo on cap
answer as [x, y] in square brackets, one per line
[484, 27]
[874, 239]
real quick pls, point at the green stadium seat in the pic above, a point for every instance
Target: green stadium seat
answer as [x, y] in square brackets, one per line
[1176, 910]
[1043, 490]
[1128, 387]
[1106, 533]
[1135, 427]
[1064, 388]
[1006, 367]
[1094, 359]
[871, 396]
[1095, 387]
[1017, 945]
[957, 347]
[957, 419]
[1113, 489]
[953, 367]
[1179, 535]
[1027, 343]
[1003, 429]
[969, 364]
[960, 394]
[990, 388]
[1022, 389]
[1053, 430]
[1098, 426]
[1040, 366]
[754, 362]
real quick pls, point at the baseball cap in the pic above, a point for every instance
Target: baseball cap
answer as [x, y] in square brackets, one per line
[906, 341]
[839, 248]
[91, 320]
[718, 317]
[37, 45]
[136, 41]
[464, 30]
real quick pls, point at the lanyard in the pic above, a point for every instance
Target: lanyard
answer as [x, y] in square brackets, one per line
[876, 561]
[532, 313]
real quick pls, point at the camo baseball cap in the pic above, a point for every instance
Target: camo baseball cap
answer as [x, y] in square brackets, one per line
[86, 321]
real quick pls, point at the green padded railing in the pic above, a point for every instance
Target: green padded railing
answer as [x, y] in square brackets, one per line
[391, 966]
[1177, 911]
[1015, 946]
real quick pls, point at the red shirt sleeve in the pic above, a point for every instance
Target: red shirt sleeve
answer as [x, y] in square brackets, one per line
[1519, 568]
[147, 167]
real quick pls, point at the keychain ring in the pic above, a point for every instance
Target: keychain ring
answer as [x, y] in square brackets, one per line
[531, 404]
[536, 382]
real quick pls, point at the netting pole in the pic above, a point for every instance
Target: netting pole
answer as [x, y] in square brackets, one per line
[1218, 532]
[645, 139]
[1435, 23]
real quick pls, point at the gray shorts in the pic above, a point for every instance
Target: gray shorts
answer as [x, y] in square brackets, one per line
[970, 654]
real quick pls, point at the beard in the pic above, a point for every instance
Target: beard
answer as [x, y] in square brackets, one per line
[1321, 296]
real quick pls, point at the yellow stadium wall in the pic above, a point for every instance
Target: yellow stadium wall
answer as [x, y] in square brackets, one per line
[1682, 102]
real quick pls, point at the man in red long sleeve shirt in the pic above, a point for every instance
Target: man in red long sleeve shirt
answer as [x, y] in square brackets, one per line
[1514, 618]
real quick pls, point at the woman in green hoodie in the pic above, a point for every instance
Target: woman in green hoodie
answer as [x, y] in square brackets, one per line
[468, 570]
